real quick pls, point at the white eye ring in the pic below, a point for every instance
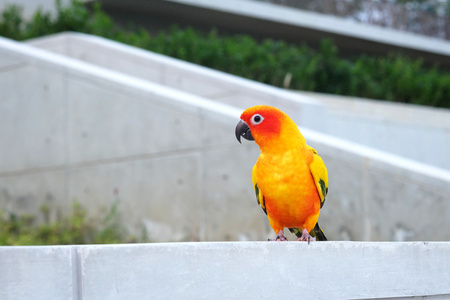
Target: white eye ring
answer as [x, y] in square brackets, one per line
[256, 119]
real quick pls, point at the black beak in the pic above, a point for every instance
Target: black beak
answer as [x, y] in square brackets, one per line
[243, 130]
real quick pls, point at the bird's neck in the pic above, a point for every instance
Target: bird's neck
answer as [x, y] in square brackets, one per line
[290, 139]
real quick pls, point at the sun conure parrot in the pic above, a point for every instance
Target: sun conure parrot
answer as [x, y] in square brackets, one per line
[289, 177]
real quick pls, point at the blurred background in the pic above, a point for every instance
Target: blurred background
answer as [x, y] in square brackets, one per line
[117, 117]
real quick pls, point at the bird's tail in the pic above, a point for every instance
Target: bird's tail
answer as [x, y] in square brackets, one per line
[318, 233]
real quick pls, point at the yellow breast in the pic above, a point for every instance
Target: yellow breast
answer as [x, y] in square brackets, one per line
[288, 187]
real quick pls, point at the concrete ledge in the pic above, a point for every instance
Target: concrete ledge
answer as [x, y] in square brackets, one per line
[251, 270]
[324, 24]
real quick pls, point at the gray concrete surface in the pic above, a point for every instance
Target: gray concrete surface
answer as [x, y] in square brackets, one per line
[410, 131]
[30, 6]
[417, 132]
[74, 131]
[324, 23]
[246, 270]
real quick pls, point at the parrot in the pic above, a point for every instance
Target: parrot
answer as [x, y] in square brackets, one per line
[289, 177]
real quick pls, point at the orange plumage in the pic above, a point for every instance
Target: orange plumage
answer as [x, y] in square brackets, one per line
[284, 174]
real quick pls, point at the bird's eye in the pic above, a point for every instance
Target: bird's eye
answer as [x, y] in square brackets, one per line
[256, 119]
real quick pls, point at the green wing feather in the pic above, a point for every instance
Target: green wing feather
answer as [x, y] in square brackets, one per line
[320, 175]
[259, 195]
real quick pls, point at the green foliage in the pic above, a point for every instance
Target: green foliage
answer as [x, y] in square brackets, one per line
[11, 22]
[75, 229]
[394, 77]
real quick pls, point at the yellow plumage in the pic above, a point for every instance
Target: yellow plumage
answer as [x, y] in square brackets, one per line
[290, 178]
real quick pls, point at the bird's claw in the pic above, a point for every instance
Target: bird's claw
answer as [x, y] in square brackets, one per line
[280, 237]
[306, 237]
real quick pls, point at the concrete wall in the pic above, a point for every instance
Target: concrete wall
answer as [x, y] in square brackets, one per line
[255, 270]
[75, 131]
[417, 132]
[407, 130]
[30, 6]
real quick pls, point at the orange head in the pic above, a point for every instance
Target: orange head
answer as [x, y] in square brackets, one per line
[267, 126]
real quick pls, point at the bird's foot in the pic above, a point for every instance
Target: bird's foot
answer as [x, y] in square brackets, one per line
[280, 237]
[306, 237]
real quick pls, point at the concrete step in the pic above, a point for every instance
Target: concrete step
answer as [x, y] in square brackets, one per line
[410, 131]
[234, 270]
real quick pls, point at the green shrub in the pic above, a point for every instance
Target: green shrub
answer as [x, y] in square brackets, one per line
[74, 229]
[11, 25]
[394, 77]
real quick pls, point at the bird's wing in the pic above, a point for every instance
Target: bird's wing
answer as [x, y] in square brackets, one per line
[320, 175]
[259, 195]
